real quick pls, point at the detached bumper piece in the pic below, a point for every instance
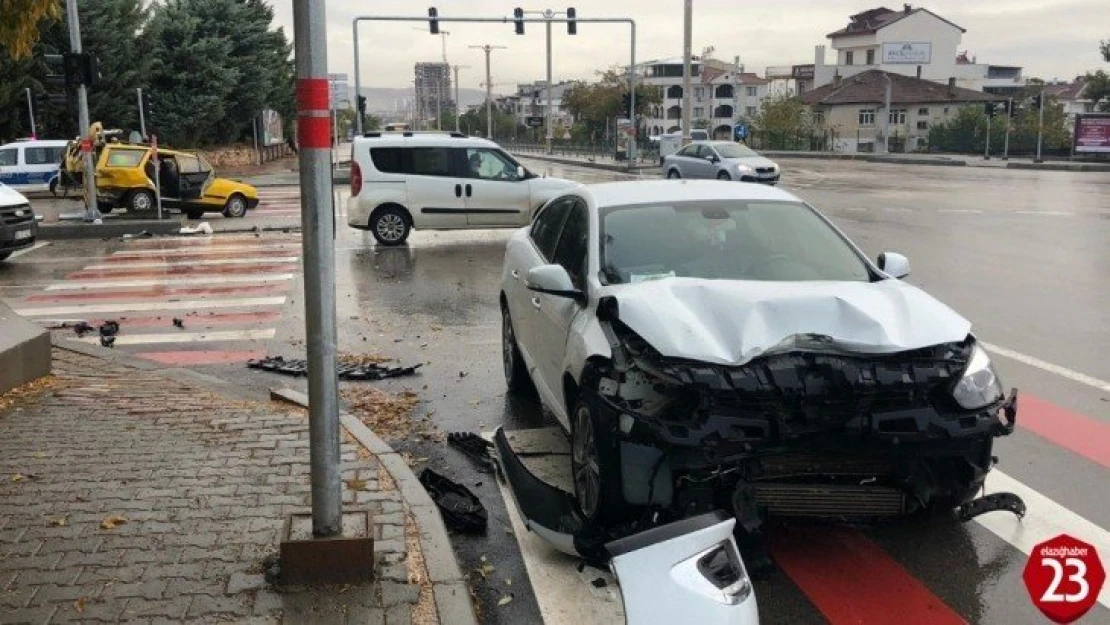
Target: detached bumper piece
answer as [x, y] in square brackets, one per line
[294, 367]
[994, 502]
[461, 509]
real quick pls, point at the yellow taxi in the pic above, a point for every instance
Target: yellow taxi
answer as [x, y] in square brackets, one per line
[125, 177]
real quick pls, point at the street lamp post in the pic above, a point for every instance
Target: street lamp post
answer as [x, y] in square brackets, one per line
[687, 38]
[886, 116]
[1009, 116]
[31, 114]
[457, 68]
[1040, 125]
[92, 213]
[489, 88]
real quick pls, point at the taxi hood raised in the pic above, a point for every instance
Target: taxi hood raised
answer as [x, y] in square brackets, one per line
[730, 322]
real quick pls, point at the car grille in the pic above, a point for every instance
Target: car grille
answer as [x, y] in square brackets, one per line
[16, 215]
[764, 170]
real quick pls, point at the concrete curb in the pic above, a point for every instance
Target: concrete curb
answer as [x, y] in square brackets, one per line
[24, 350]
[108, 229]
[1087, 167]
[448, 584]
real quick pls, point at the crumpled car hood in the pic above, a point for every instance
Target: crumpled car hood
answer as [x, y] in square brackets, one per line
[730, 322]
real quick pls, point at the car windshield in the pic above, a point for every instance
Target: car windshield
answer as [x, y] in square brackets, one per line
[724, 240]
[734, 150]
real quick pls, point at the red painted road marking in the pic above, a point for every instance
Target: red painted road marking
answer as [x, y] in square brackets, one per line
[159, 293]
[195, 320]
[181, 271]
[851, 580]
[198, 242]
[202, 255]
[1075, 432]
[188, 358]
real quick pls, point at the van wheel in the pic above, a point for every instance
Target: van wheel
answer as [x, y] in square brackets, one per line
[141, 201]
[673, 174]
[390, 225]
[236, 207]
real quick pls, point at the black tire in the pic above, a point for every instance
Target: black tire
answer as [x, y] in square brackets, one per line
[516, 372]
[390, 225]
[673, 174]
[595, 463]
[141, 201]
[723, 176]
[4, 256]
[54, 187]
[236, 207]
[194, 213]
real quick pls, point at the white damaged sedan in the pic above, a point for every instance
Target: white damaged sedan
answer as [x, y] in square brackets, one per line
[713, 346]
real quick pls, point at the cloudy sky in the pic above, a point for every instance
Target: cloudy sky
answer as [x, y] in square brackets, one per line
[1049, 38]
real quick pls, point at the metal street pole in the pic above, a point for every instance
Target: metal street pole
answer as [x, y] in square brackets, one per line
[489, 88]
[91, 211]
[456, 68]
[439, 102]
[318, 234]
[31, 113]
[547, 141]
[358, 116]
[1040, 127]
[1006, 143]
[687, 38]
[886, 117]
[142, 117]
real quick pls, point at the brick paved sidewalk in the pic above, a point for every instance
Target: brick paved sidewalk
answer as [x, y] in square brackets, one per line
[128, 495]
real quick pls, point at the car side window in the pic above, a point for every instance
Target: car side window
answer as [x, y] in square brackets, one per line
[703, 151]
[548, 224]
[387, 160]
[39, 156]
[8, 157]
[488, 164]
[431, 161]
[573, 243]
[188, 164]
[125, 158]
[690, 150]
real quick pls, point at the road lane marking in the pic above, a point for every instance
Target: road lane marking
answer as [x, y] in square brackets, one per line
[850, 579]
[962, 211]
[194, 320]
[898, 210]
[36, 246]
[273, 248]
[1074, 376]
[1044, 519]
[128, 264]
[187, 337]
[83, 285]
[160, 293]
[91, 309]
[184, 270]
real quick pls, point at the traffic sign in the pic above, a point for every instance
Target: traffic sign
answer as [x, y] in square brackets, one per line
[1064, 577]
[533, 121]
[740, 131]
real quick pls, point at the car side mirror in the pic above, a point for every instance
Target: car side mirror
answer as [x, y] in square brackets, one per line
[553, 280]
[894, 264]
[713, 158]
[521, 173]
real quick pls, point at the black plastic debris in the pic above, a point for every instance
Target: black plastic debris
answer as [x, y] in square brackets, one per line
[461, 510]
[82, 328]
[474, 447]
[295, 367]
[599, 583]
[109, 328]
[107, 341]
[178, 323]
[1005, 502]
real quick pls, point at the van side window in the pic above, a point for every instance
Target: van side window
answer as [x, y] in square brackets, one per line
[41, 156]
[431, 161]
[387, 160]
[8, 157]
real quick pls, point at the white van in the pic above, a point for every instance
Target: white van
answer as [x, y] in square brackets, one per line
[440, 181]
[31, 165]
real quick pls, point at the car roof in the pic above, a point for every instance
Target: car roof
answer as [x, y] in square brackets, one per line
[50, 143]
[404, 139]
[656, 191]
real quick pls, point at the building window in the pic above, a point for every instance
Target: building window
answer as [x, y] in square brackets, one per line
[818, 118]
[922, 125]
[867, 117]
[699, 112]
[699, 92]
[752, 91]
[870, 57]
[897, 116]
[923, 111]
[849, 57]
[750, 111]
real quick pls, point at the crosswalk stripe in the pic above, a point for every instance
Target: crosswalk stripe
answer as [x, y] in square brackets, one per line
[126, 264]
[160, 293]
[183, 270]
[223, 249]
[83, 285]
[92, 309]
[187, 337]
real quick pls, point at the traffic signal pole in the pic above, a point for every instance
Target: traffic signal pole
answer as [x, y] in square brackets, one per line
[1040, 125]
[142, 115]
[91, 211]
[1009, 117]
[31, 113]
[318, 234]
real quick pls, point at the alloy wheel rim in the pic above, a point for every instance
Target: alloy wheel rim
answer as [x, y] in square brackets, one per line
[236, 207]
[142, 202]
[390, 227]
[587, 473]
[507, 344]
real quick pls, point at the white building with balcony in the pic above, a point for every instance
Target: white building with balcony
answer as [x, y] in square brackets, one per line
[723, 94]
[912, 42]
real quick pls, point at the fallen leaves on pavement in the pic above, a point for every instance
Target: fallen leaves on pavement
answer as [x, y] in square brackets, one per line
[388, 415]
[58, 522]
[79, 605]
[18, 477]
[28, 391]
[355, 484]
[112, 521]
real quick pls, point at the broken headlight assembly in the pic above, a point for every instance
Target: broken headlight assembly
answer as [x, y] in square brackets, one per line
[979, 385]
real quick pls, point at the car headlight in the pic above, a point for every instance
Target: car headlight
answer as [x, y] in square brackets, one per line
[743, 167]
[979, 385]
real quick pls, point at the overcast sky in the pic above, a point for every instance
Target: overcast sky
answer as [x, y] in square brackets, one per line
[1049, 38]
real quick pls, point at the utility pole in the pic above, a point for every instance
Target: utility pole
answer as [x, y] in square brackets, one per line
[92, 213]
[987, 151]
[310, 42]
[489, 88]
[31, 113]
[142, 114]
[687, 38]
[457, 68]
[1009, 116]
[547, 140]
[1040, 125]
[886, 116]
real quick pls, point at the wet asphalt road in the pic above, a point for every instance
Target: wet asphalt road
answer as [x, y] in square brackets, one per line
[1024, 255]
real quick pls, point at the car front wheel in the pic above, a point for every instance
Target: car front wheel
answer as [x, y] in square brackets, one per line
[673, 174]
[724, 176]
[390, 225]
[516, 373]
[594, 463]
[236, 207]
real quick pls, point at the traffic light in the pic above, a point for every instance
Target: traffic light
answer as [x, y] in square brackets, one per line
[55, 70]
[78, 68]
[518, 19]
[1037, 102]
[433, 23]
[989, 109]
[572, 26]
[150, 114]
[626, 104]
[362, 104]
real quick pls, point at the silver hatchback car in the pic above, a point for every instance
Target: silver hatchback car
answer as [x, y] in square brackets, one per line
[723, 160]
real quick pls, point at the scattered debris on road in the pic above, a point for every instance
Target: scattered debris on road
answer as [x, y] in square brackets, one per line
[994, 502]
[201, 228]
[178, 323]
[297, 367]
[142, 234]
[81, 328]
[474, 447]
[461, 509]
[107, 341]
[389, 416]
[109, 328]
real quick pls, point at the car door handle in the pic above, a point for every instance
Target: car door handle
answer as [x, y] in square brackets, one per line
[515, 274]
[468, 190]
[536, 303]
[458, 190]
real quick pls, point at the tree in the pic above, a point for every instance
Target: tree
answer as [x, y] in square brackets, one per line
[1098, 89]
[594, 105]
[19, 25]
[781, 120]
[966, 131]
[700, 123]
